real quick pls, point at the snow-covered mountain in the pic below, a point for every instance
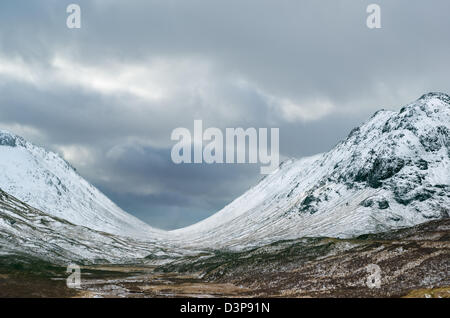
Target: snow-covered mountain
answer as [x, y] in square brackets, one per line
[45, 181]
[391, 172]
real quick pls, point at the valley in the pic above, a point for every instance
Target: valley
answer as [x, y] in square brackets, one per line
[414, 262]
[369, 218]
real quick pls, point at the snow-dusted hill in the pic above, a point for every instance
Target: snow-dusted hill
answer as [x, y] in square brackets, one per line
[391, 172]
[28, 231]
[45, 181]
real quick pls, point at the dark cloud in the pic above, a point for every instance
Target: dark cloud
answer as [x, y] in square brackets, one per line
[107, 96]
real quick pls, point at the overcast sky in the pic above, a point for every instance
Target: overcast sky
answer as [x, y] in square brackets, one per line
[107, 96]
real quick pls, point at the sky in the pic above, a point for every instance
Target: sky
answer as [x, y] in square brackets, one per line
[108, 95]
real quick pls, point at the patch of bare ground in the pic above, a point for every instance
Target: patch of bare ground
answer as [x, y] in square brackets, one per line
[430, 293]
[20, 285]
[152, 284]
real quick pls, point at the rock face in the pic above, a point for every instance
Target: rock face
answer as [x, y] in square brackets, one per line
[391, 172]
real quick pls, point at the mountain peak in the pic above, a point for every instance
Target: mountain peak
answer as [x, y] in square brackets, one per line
[436, 95]
[10, 140]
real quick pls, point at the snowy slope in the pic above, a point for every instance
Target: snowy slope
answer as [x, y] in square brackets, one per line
[45, 181]
[26, 231]
[391, 172]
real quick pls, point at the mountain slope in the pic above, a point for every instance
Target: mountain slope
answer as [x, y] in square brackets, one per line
[45, 181]
[391, 172]
[409, 260]
[29, 232]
